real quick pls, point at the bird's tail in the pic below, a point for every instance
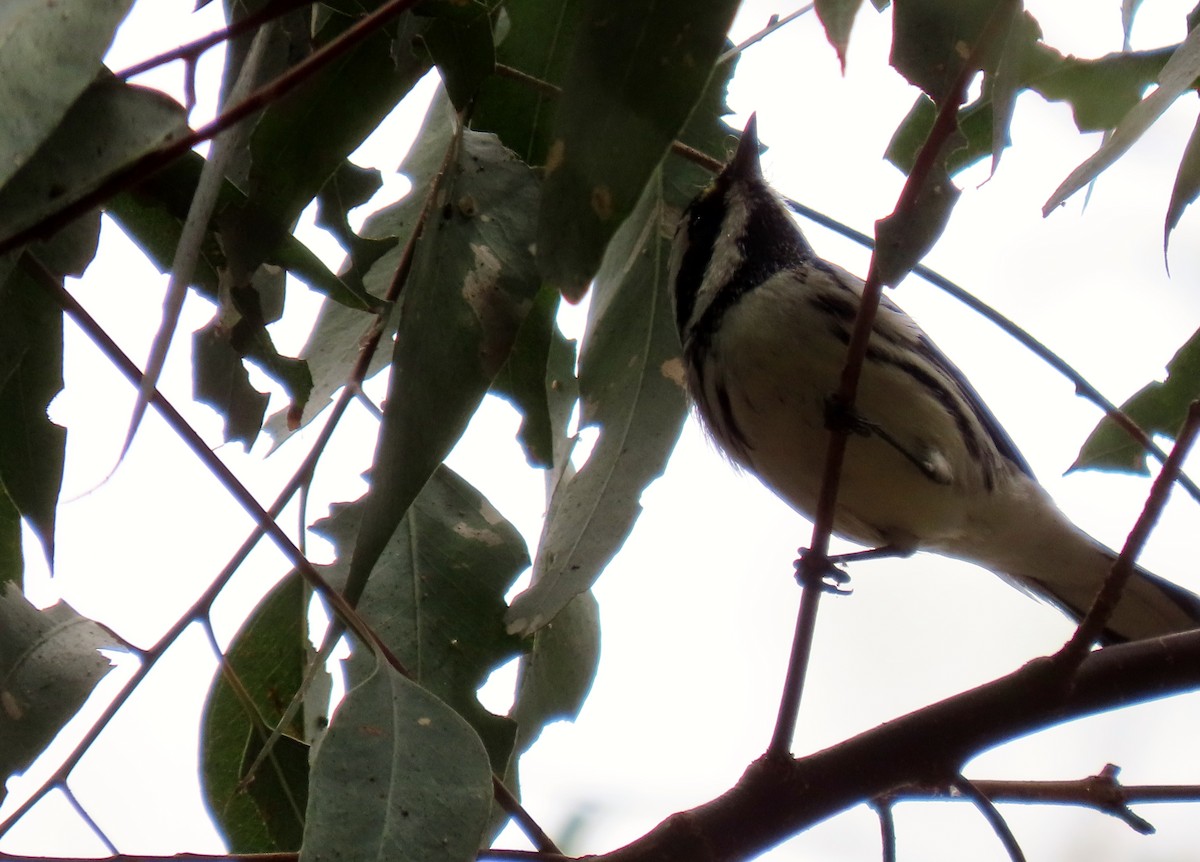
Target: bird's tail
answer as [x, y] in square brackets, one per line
[1150, 606]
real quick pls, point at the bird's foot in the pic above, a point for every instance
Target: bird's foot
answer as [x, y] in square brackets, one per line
[822, 572]
[827, 573]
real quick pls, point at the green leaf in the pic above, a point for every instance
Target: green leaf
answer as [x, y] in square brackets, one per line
[302, 139]
[837, 17]
[1158, 408]
[538, 44]
[436, 596]
[931, 40]
[461, 43]
[153, 212]
[525, 380]
[636, 72]
[49, 54]
[349, 187]
[398, 775]
[1019, 40]
[557, 674]
[49, 664]
[220, 380]
[111, 125]
[336, 340]
[630, 387]
[12, 558]
[265, 814]
[32, 448]
[1186, 187]
[248, 335]
[1100, 91]
[472, 283]
[1176, 78]
[975, 124]
[901, 242]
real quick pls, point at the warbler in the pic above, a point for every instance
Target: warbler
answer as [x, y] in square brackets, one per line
[765, 323]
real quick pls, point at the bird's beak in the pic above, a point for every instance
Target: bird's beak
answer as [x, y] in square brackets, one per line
[745, 160]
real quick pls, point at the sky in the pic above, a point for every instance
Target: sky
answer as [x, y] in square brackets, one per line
[698, 609]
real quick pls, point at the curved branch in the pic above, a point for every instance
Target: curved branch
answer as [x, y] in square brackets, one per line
[776, 799]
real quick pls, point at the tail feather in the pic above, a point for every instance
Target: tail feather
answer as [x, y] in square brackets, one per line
[1150, 606]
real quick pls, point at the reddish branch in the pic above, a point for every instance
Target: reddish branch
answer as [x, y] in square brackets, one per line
[814, 562]
[777, 799]
[1092, 625]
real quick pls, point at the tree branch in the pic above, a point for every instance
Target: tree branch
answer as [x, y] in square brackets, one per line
[1102, 792]
[776, 799]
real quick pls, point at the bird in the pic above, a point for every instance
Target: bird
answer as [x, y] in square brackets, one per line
[764, 325]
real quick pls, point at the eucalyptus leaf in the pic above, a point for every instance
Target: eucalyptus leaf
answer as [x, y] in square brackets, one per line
[49, 665]
[436, 596]
[49, 54]
[472, 284]
[637, 70]
[264, 812]
[398, 775]
[32, 448]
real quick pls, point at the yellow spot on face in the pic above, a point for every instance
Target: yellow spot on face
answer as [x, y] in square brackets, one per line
[602, 204]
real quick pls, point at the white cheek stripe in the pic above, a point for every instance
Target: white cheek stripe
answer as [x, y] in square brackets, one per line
[726, 255]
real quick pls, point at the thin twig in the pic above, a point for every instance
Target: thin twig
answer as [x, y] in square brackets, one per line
[509, 802]
[775, 23]
[814, 561]
[87, 818]
[142, 167]
[887, 828]
[1101, 792]
[1094, 623]
[992, 815]
[232, 485]
[553, 91]
[191, 51]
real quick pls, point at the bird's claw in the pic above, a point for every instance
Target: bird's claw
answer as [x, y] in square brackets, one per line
[821, 572]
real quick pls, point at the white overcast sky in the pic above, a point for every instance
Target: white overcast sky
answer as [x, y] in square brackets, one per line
[698, 610]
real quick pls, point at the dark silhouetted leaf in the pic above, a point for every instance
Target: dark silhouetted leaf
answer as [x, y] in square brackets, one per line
[1158, 408]
[538, 44]
[636, 72]
[220, 380]
[109, 126]
[268, 656]
[837, 17]
[461, 43]
[32, 448]
[1176, 78]
[333, 346]
[1186, 187]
